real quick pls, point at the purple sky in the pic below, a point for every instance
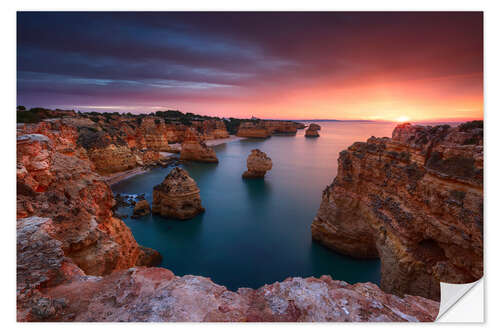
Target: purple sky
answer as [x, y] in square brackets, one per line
[273, 65]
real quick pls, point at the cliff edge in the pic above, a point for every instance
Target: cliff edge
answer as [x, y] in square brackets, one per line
[416, 201]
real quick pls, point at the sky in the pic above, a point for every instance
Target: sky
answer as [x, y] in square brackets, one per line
[274, 65]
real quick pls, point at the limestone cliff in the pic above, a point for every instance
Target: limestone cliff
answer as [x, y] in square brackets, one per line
[211, 129]
[177, 196]
[280, 127]
[415, 201]
[67, 191]
[253, 130]
[194, 148]
[266, 128]
[258, 163]
[118, 143]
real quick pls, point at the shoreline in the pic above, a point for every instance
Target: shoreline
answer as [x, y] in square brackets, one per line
[217, 142]
[119, 176]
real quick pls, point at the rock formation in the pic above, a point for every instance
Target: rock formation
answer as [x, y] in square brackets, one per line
[50, 287]
[258, 163]
[75, 260]
[195, 149]
[63, 193]
[148, 257]
[299, 125]
[211, 129]
[266, 128]
[415, 201]
[154, 132]
[177, 196]
[117, 143]
[141, 208]
[280, 127]
[314, 127]
[312, 131]
[253, 130]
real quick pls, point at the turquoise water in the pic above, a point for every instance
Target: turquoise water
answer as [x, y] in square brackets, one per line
[256, 231]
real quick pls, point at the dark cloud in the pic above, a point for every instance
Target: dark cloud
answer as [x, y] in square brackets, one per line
[137, 57]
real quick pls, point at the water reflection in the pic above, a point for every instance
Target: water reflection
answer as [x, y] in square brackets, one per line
[259, 191]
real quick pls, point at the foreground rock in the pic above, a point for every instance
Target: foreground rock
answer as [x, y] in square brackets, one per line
[415, 201]
[258, 163]
[177, 196]
[195, 149]
[141, 208]
[50, 287]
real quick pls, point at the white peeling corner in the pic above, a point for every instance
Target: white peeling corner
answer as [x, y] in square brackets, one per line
[462, 303]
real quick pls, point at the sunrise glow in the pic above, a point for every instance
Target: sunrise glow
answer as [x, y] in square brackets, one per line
[402, 119]
[374, 66]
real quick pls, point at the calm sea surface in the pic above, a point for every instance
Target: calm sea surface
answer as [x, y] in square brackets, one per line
[256, 231]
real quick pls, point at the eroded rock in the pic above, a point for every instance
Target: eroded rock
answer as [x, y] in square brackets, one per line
[258, 163]
[141, 208]
[177, 196]
[415, 201]
[253, 130]
[312, 131]
[195, 149]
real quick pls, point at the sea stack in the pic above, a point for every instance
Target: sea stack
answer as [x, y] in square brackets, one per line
[177, 196]
[258, 163]
[141, 208]
[194, 149]
[312, 131]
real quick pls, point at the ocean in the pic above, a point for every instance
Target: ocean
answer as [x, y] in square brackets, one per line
[256, 231]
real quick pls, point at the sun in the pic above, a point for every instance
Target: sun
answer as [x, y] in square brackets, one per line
[402, 119]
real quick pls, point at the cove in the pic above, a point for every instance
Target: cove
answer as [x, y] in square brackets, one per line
[256, 231]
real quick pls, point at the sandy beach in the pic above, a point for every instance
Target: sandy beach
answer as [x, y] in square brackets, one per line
[119, 176]
[217, 142]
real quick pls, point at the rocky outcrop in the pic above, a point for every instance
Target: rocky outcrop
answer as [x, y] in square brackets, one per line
[148, 257]
[194, 149]
[299, 125]
[155, 134]
[266, 128]
[50, 287]
[415, 201]
[177, 196]
[312, 131]
[75, 260]
[253, 130]
[211, 129]
[258, 163]
[141, 208]
[119, 143]
[75, 206]
[280, 127]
